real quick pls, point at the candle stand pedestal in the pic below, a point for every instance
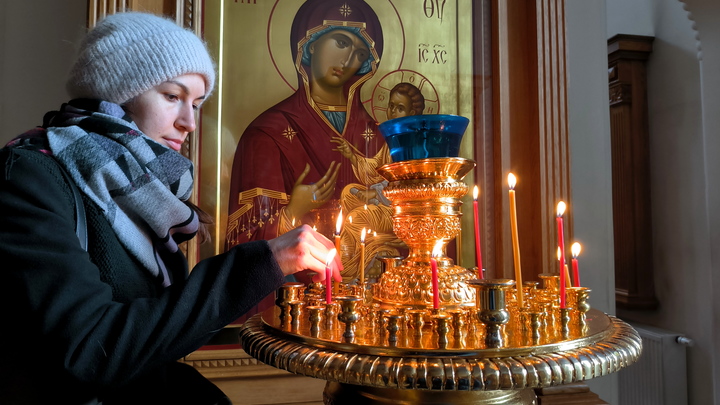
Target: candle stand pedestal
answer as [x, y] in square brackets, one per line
[387, 344]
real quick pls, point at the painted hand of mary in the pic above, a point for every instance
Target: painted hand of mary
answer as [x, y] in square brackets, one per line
[345, 149]
[305, 197]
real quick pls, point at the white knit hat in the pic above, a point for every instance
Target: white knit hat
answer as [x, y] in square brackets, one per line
[129, 53]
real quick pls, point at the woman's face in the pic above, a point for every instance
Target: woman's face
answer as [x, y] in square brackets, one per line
[336, 56]
[399, 106]
[166, 113]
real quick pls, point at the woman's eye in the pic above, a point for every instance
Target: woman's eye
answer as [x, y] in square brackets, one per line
[362, 56]
[171, 97]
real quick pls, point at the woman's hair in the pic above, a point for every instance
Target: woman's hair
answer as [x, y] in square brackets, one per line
[417, 100]
[204, 221]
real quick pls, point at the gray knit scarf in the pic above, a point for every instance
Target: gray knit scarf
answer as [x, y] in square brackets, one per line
[139, 184]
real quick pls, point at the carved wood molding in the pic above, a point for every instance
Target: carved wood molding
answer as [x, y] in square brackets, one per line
[185, 12]
[229, 363]
[632, 221]
[531, 131]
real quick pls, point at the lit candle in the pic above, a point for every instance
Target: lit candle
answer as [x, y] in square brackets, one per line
[478, 252]
[338, 227]
[437, 251]
[575, 249]
[562, 279]
[362, 256]
[516, 248]
[561, 233]
[328, 276]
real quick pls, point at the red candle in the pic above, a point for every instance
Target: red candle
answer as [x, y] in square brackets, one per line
[338, 228]
[562, 281]
[328, 276]
[575, 249]
[478, 253]
[561, 251]
[437, 251]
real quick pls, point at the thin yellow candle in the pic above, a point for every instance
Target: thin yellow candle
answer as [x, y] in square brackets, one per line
[516, 244]
[362, 256]
[338, 227]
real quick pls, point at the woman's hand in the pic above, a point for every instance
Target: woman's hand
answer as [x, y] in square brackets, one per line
[305, 249]
[305, 197]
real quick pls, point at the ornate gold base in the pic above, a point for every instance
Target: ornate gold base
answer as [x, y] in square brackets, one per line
[349, 394]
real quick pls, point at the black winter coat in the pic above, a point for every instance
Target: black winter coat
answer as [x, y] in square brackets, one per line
[78, 325]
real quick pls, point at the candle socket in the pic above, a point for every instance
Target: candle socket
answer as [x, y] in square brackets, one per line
[440, 325]
[535, 327]
[492, 308]
[381, 315]
[348, 315]
[550, 281]
[315, 318]
[578, 299]
[288, 292]
[458, 322]
[402, 310]
[331, 312]
[393, 326]
[565, 322]
[295, 314]
[417, 321]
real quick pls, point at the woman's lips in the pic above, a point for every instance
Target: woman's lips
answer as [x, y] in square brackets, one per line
[174, 144]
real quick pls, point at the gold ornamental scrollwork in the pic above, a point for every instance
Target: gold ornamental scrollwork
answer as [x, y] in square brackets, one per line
[611, 345]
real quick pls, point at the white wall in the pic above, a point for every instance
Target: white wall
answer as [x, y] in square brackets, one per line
[589, 126]
[37, 42]
[683, 106]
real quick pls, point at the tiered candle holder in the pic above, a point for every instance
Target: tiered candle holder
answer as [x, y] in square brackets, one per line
[386, 343]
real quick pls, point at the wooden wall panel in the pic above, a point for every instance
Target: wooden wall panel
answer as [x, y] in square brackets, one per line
[632, 220]
[530, 132]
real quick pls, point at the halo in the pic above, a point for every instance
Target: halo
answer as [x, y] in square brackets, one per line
[280, 21]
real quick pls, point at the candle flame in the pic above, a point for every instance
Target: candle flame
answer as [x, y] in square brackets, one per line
[330, 257]
[559, 253]
[512, 181]
[560, 208]
[476, 191]
[362, 235]
[350, 219]
[315, 228]
[374, 234]
[437, 250]
[338, 224]
[575, 249]
[293, 223]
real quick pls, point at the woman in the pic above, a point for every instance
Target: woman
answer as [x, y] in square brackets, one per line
[106, 322]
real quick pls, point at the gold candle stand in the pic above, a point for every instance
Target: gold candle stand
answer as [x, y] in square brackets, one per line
[386, 344]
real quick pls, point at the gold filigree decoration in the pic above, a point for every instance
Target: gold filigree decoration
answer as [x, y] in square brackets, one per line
[345, 10]
[289, 133]
[368, 134]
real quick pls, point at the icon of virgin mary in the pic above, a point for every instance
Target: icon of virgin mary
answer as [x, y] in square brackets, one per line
[315, 152]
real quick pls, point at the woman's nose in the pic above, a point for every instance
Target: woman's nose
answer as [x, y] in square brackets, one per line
[186, 119]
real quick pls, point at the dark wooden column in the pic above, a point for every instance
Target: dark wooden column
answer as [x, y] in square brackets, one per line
[632, 219]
